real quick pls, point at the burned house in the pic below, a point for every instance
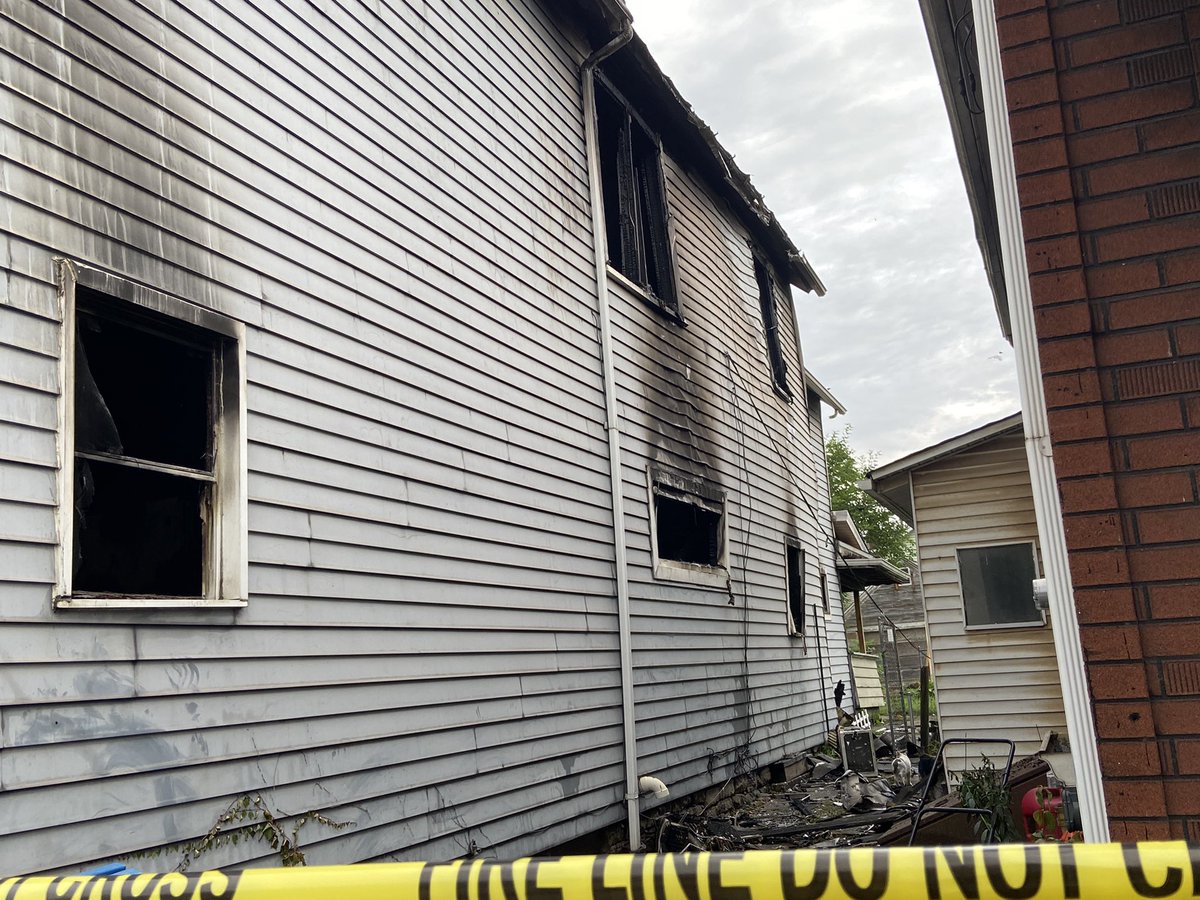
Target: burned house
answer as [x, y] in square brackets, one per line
[402, 418]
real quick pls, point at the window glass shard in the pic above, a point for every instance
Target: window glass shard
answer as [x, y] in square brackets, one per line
[95, 428]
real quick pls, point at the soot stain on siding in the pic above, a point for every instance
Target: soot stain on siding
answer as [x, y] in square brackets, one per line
[146, 170]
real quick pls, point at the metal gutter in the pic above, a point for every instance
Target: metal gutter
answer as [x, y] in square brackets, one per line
[811, 382]
[587, 74]
[1047, 508]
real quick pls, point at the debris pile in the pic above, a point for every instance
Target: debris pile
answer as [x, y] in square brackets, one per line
[813, 802]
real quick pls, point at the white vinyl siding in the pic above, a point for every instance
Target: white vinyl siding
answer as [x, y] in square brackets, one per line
[398, 216]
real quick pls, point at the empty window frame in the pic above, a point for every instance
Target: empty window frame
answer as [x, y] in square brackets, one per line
[635, 203]
[795, 589]
[154, 455]
[997, 585]
[688, 530]
[770, 318]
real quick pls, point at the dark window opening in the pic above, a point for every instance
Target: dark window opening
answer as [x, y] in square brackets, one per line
[997, 585]
[635, 207]
[144, 451]
[688, 529]
[795, 587]
[770, 317]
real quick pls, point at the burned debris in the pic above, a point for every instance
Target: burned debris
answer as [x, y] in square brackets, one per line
[826, 799]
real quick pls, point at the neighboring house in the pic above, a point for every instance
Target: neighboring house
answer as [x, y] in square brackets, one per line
[860, 572]
[901, 607]
[336, 465]
[970, 502]
[1077, 126]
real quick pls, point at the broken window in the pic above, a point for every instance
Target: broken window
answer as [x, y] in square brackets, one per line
[688, 526]
[770, 318]
[155, 462]
[795, 589]
[997, 585]
[635, 205]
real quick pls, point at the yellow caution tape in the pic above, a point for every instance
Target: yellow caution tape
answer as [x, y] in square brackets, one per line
[1009, 872]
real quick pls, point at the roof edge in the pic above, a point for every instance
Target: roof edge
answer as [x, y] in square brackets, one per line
[946, 448]
[718, 164]
[813, 384]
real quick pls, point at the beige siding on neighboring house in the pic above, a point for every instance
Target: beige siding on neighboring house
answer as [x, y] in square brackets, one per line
[1000, 682]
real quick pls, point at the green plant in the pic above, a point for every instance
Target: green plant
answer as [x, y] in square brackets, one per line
[1051, 822]
[984, 788]
[248, 818]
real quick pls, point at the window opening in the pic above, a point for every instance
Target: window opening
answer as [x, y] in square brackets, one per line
[688, 528]
[146, 390]
[635, 208]
[770, 318]
[795, 588]
[997, 585]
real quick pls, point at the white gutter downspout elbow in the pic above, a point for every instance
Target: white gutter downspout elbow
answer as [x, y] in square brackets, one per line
[612, 426]
[1077, 701]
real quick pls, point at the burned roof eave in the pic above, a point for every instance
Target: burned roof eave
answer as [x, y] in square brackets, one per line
[601, 19]
[637, 75]
[970, 143]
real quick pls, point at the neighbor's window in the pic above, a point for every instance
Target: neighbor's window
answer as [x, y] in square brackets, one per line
[997, 585]
[155, 462]
[795, 589]
[688, 524]
[635, 207]
[770, 317]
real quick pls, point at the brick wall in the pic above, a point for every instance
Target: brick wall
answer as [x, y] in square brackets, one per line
[1106, 127]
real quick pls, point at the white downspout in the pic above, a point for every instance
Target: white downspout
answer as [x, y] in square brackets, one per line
[1047, 507]
[612, 425]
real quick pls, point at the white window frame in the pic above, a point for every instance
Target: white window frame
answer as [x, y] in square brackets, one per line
[1039, 622]
[675, 570]
[225, 576]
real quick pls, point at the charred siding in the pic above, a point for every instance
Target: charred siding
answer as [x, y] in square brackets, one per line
[429, 651]
[720, 683]
[399, 214]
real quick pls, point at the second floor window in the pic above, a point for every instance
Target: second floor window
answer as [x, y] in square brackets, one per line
[635, 206]
[770, 317]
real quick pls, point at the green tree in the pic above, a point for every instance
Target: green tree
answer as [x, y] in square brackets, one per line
[886, 536]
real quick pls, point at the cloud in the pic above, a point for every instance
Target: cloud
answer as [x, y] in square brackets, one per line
[835, 111]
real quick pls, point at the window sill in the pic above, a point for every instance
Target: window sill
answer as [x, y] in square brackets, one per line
[119, 602]
[692, 573]
[645, 296]
[1007, 626]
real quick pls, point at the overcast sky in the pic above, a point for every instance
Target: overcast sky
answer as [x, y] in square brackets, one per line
[833, 108]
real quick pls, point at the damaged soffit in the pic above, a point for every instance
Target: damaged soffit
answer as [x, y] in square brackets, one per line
[635, 73]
